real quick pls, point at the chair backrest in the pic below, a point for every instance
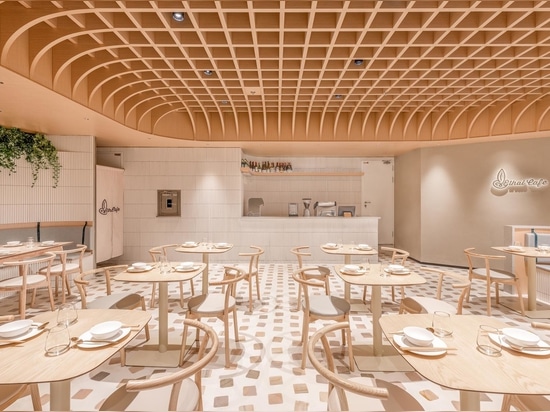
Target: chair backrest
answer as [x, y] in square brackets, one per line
[231, 276]
[254, 258]
[410, 305]
[301, 276]
[119, 400]
[476, 260]
[47, 258]
[82, 280]
[398, 256]
[300, 252]
[162, 250]
[336, 382]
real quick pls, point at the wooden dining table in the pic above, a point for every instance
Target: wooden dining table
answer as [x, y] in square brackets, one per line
[378, 356]
[530, 255]
[468, 370]
[205, 249]
[27, 362]
[160, 353]
[24, 251]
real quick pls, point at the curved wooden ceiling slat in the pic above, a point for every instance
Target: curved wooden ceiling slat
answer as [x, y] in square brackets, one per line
[432, 70]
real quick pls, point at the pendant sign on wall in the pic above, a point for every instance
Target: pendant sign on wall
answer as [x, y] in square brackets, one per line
[502, 184]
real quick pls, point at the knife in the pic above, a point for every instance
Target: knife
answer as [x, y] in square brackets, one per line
[423, 349]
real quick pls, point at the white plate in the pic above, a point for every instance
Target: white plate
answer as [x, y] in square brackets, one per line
[506, 345]
[222, 245]
[354, 272]
[398, 272]
[132, 269]
[48, 243]
[515, 249]
[365, 248]
[90, 344]
[190, 244]
[330, 246]
[4, 252]
[13, 245]
[31, 333]
[16, 328]
[191, 269]
[437, 343]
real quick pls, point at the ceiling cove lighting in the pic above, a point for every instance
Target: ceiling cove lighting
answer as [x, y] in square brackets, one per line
[178, 16]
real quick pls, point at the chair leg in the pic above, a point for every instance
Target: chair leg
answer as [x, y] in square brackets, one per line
[153, 295]
[181, 295]
[147, 333]
[258, 287]
[226, 340]
[22, 303]
[299, 297]
[520, 296]
[304, 339]
[350, 351]
[250, 293]
[364, 294]
[488, 299]
[35, 397]
[192, 287]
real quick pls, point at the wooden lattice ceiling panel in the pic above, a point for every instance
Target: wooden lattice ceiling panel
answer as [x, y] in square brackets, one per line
[292, 71]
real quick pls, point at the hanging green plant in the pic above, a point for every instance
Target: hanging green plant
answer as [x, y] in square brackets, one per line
[38, 151]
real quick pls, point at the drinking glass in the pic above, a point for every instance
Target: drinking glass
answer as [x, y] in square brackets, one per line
[67, 314]
[485, 344]
[58, 340]
[164, 265]
[441, 324]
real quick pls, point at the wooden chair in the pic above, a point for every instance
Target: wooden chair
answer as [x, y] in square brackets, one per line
[398, 257]
[124, 300]
[321, 307]
[479, 267]
[66, 267]
[425, 304]
[156, 253]
[352, 394]
[27, 280]
[182, 389]
[10, 393]
[301, 252]
[251, 270]
[218, 305]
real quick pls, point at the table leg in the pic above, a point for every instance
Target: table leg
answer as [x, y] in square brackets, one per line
[469, 401]
[531, 271]
[163, 317]
[205, 273]
[60, 395]
[376, 309]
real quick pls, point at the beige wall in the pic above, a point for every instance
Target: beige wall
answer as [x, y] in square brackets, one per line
[455, 207]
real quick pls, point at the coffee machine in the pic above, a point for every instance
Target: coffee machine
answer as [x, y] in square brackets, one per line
[325, 208]
[307, 203]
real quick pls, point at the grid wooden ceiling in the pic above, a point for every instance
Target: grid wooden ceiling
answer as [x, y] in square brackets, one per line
[290, 71]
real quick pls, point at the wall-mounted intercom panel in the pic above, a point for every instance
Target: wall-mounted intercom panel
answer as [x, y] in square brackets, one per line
[168, 202]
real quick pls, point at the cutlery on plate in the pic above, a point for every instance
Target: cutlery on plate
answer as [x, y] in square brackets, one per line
[40, 326]
[528, 348]
[78, 340]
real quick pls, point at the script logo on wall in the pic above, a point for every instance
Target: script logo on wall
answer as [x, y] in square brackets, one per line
[103, 210]
[502, 185]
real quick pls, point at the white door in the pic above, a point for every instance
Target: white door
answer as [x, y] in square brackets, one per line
[109, 212]
[377, 195]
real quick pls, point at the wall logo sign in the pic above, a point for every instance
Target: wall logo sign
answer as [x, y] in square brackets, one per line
[104, 209]
[502, 184]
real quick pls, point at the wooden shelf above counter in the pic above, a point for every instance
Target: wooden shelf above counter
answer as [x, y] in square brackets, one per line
[247, 171]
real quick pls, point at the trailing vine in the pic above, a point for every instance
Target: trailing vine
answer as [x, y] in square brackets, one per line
[38, 151]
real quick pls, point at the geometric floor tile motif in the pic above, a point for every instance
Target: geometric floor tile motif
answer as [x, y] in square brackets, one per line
[266, 374]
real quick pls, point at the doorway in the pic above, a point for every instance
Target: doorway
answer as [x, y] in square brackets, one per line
[377, 196]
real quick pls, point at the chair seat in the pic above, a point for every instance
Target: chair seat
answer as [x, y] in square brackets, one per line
[18, 281]
[323, 305]
[115, 301]
[494, 274]
[69, 267]
[431, 305]
[148, 400]
[210, 304]
[400, 400]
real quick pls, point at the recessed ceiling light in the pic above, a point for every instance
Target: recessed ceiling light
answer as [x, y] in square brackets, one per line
[178, 16]
[337, 96]
[208, 72]
[224, 102]
[358, 62]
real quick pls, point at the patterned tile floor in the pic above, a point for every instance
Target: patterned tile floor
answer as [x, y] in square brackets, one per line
[267, 374]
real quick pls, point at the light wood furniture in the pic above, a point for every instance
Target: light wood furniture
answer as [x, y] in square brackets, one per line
[10, 393]
[62, 270]
[479, 267]
[468, 370]
[377, 356]
[352, 394]
[182, 388]
[301, 252]
[24, 252]
[317, 306]
[206, 249]
[123, 300]
[398, 257]
[251, 271]
[218, 305]
[161, 353]
[426, 304]
[530, 255]
[26, 280]
[156, 253]
[60, 370]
